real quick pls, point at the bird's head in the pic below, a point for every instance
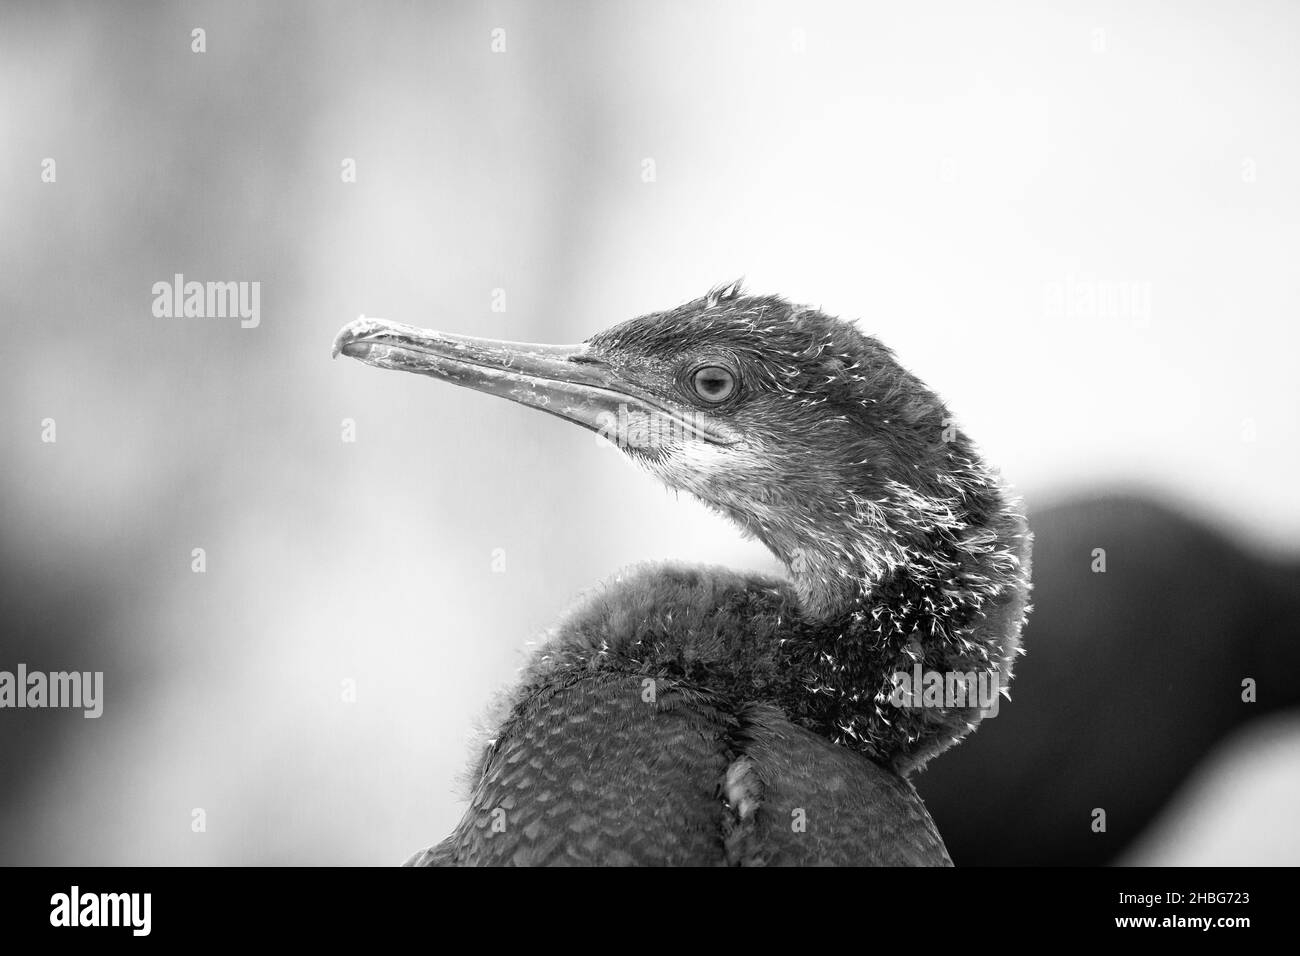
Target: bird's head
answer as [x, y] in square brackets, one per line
[806, 432]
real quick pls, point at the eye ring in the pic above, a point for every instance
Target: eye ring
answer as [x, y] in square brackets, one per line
[713, 383]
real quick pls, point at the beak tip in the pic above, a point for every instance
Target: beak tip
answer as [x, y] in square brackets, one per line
[345, 335]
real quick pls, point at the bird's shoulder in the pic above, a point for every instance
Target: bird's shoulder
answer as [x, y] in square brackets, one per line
[673, 611]
[598, 768]
[600, 772]
[816, 803]
[640, 734]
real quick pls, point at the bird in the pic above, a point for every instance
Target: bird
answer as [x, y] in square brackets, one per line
[684, 715]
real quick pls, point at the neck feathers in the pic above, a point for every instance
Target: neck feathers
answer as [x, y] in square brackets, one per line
[923, 585]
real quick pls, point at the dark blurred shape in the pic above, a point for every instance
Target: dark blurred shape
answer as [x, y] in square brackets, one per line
[47, 613]
[1132, 675]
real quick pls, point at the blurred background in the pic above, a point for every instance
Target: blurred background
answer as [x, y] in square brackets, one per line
[1079, 223]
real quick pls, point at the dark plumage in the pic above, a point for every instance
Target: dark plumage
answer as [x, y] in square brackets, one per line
[699, 716]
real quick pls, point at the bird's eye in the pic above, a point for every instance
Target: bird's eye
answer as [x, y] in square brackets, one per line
[713, 383]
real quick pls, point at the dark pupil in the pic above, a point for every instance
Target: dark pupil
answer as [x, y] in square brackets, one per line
[713, 382]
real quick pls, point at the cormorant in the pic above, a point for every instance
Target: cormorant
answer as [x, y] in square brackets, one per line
[695, 715]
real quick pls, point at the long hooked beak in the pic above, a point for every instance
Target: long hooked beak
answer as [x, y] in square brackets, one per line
[563, 380]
